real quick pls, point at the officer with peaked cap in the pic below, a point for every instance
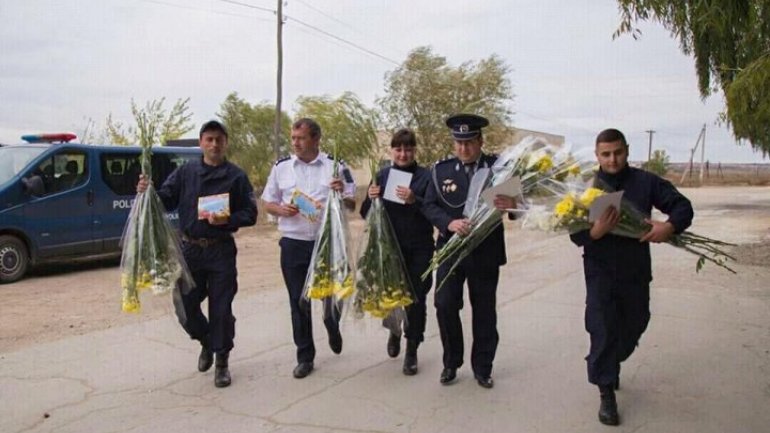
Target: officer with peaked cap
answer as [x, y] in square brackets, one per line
[445, 200]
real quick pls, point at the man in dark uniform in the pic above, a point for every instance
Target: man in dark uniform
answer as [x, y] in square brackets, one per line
[445, 199]
[208, 245]
[618, 269]
[414, 234]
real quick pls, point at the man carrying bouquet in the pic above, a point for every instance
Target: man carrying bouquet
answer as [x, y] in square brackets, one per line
[445, 199]
[618, 269]
[308, 172]
[414, 234]
[207, 243]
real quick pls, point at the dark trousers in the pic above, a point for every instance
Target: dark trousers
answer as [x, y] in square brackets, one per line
[416, 261]
[295, 261]
[482, 288]
[617, 314]
[215, 275]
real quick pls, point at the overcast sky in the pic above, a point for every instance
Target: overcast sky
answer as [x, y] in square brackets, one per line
[65, 61]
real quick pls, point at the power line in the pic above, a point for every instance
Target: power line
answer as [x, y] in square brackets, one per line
[345, 41]
[259, 8]
[204, 10]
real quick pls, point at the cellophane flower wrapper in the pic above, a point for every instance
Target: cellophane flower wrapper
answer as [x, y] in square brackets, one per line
[152, 256]
[330, 274]
[568, 211]
[538, 164]
[382, 282]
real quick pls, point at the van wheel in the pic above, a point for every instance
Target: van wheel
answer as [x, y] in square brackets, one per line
[14, 259]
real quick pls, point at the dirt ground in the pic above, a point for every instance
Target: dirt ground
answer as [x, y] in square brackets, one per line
[58, 301]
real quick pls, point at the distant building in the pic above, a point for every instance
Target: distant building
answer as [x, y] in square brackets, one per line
[517, 134]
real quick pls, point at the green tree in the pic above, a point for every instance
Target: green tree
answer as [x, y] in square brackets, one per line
[658, 163]
[424, 90]
[151, 122]
[250, 132]
[730, 41]
[344, 121]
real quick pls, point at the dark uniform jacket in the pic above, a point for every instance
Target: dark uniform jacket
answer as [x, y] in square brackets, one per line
[445, 200]
[412, 229]
[196, 179]
[623, 258]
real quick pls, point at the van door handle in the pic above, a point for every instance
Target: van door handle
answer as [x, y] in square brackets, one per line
[90, 197]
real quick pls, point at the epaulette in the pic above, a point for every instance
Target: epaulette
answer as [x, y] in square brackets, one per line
[285, 158]
[445, 160]
[341, 161]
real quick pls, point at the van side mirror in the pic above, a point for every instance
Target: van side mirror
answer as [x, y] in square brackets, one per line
[33, 185]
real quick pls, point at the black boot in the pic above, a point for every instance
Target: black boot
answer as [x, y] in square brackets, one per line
[222, 373]
[608, 410]
[394, 345]
[410, 358]
[206, 358]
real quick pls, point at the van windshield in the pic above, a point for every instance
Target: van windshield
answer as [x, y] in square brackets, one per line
[14, 159]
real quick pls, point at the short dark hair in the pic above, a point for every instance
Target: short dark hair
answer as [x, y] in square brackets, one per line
[611, 135]
[312, 125]
[213, 125]
[403, 137]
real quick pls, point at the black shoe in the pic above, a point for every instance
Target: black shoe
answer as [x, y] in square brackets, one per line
[608, 410]
[303, 369]
[335, 342]
[448, 375]
[222, 372]
[484, 381]
[410, 358]
[205, 359]
[394, 345]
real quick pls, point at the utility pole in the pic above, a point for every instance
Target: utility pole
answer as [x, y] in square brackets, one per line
[649, 148]
[702, 152]
[279, 82]
[688, 170]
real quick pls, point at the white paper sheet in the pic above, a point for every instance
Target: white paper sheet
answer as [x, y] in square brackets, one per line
[601, 204]
[396, 178]
[510, 188]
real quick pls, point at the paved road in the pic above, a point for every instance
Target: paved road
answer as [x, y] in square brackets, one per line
[703, 366]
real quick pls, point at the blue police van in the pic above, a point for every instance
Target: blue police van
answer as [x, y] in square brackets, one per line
[65, 200]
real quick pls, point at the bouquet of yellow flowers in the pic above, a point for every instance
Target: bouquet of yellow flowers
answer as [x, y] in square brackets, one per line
[152, 257]
[538, 164]
[330, 275]
[570, 213]
[382, 283]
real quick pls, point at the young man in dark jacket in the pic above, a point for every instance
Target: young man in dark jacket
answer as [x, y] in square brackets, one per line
[618, 269]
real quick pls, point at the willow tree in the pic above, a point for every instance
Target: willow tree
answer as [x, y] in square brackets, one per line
[152, 122]
[251, 136]
[424, 90]
[345, 121]
[730, 42]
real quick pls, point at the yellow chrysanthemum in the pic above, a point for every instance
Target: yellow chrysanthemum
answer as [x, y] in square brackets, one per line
[130, 302]
[590, 195]
[565, 206]
[544, 164]
[574, 170]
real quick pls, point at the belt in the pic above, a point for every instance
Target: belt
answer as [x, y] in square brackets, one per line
[202, 242]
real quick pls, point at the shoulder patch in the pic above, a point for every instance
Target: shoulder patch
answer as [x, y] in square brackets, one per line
[331, 157]
[285, 158]
[445, 160]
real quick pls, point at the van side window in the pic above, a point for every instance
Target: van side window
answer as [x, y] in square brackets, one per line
[120, 171]
[62, 171]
